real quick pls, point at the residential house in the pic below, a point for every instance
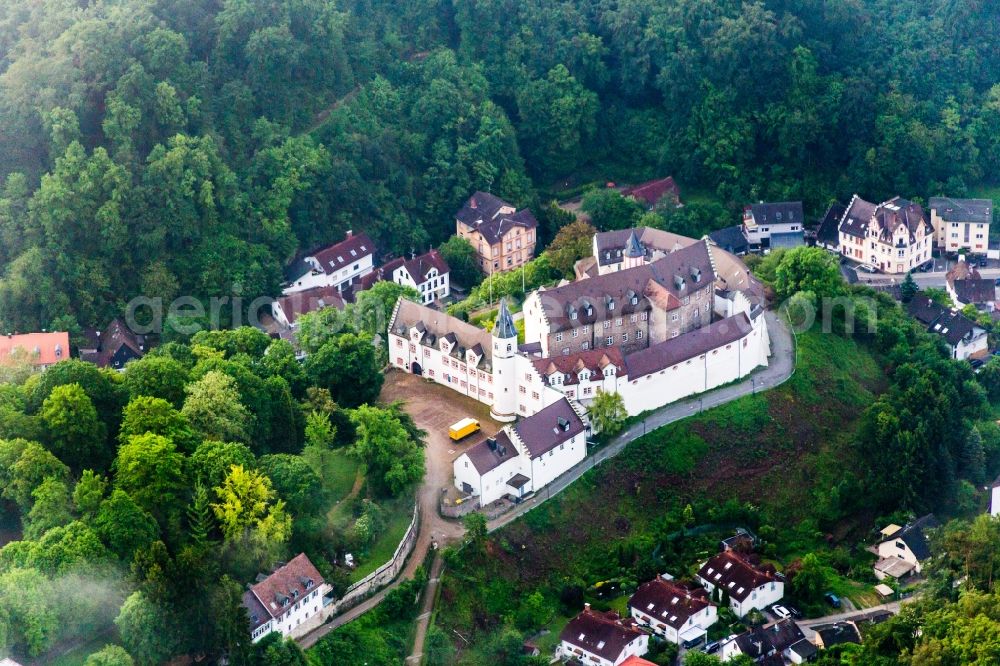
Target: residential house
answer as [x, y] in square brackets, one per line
[836, 633]
[113, 347]
[731, 239]
[893, 236]
[503, 237]
[771, 643]
[903, 550]
[286, 600]
[967, 287]
[631, 661]
[41, 349]
[780, 222]
[524, 457]
[676, 612]
[287, 309]
[964, 337]
[961, 224]
[748, 585]
[828, 232]
[603, 639]
[643, 304]
[653, 192]
[337, 265]
[428, 274]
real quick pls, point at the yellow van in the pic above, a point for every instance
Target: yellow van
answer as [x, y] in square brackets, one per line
[463, 428]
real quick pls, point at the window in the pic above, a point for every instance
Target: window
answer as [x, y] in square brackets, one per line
[633, 318]
[624, 337]
[673, 316]
[686, 300]
[638, 335]
[576, 332]
[607, 324]
[644, 316]
[534, 395]
[521, 389]
[559, 337]
[610, 340]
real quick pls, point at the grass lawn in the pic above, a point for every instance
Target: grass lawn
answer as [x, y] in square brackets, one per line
[338, 472]
[399, 513]
[79, 653]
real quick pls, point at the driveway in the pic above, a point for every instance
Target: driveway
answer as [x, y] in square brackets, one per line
[807, 625]
[433, 408]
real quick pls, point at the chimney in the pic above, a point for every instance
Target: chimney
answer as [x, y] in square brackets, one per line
[350, 232]
[586, 607]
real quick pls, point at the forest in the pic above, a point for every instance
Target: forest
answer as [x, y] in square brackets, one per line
[193, 147]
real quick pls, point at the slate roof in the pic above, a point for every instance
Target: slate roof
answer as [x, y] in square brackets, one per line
[493, 217]
[418, 268]
[837, 633]
[962, 210]
[611, 244]
[731, 239]
[652, 191]
[734, 574]
[969, 285]
[665, 281]
[952, 325]
[595, 360]
[291, 581]
[114, 346]
[298, 303]
[669, 602]
[804, 649]
[827, 232]
[438, 325]
[781, 212]
[686, 346]
[775, 637]
[632, 247]
[486, 457]
[504, 327]
[44, 348]
[602, 634]
[914, 537]
[549, 428]
[887, 217]
[333, 258]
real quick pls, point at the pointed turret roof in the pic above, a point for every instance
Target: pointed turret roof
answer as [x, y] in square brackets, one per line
[632, 247]
[505, 323]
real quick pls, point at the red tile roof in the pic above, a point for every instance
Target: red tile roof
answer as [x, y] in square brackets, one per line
[334, 257]
[603, 634]
[637, 661]
[653, 190]
[289, 582]
[594, 360]
[734, 574]
[45, 348]
[299, 303]
[669, 602]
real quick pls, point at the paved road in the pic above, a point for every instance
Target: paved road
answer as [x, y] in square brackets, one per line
[780, 368]
[807, 625]
[424, 619]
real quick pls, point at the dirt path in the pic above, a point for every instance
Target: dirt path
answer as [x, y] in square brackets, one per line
[424, 619]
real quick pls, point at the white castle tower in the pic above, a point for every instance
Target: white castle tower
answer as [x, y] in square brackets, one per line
[504, 371]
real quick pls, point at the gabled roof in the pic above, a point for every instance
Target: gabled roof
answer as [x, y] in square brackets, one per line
[669, 602]
[969, 285]
[548, 428]
[731, 239]
[952, 325]
[603, 634]
[637, 661]
[689, 345]
[281, 589]
[962, 210]
[436, 325]
[915, 538]
[611, 244]
[781, 212]
[492, 452]
[43, 348]
[493, 217]
[332, 258]
[419, 269]
[595, 360]
[827, 234]
[886, 217]
[664, 282]
[775, 637]
[298, 303]
[652, 191]
[837, 633]
[737, 576]
[114, 346]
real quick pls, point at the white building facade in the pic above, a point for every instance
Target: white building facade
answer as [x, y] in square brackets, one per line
[748, 586]
[961, 224]
[336, 265]
[672, 611]
[893, 236]
[286, 600]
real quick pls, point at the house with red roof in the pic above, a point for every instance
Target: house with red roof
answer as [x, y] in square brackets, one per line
[652, 192]
[427, 273]
[42, 349]
[604, 639]
[289, 600]
[746, 584]
[679, 613]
